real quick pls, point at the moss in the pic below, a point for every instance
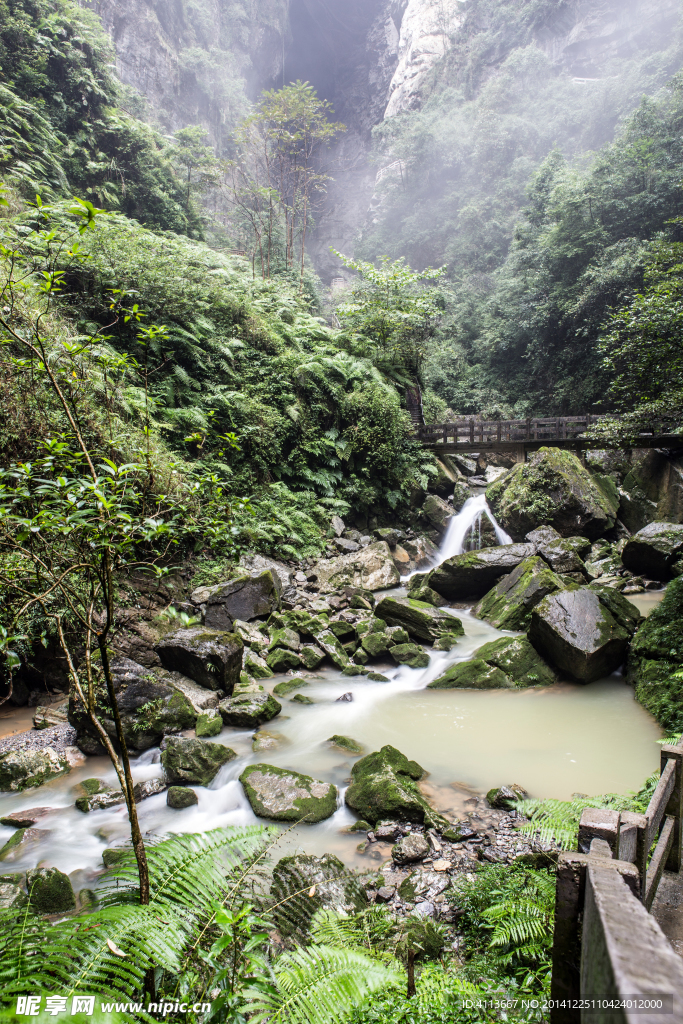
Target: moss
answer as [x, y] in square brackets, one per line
[472, 675]
[209, 723]
[281, 659]
[510, 603]
[518, 660]
[410, 654]
[50, 891]
[375, 644]
[288, 685]
[384, 786]
[301, 698]
[656, 653]
[284, 795]
[418, 618]
[193, 762]
[180, 797]
[351, 746]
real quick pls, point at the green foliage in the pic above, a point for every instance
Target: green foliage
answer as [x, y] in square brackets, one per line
[439, 996]
[507, 923]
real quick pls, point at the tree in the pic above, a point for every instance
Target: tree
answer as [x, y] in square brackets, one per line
[390, 313]
[201, 166]
[276, 172]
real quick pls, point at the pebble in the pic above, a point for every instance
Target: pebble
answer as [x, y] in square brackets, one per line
[59, 737]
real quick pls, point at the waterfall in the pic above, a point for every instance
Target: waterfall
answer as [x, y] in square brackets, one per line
[466, 521]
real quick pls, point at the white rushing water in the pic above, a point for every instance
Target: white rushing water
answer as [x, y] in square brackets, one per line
[554, 741]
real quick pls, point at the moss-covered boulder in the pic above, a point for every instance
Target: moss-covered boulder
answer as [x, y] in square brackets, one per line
[655, 551]
[284, 795]
[289, 686]
[475, 674]
[384, 786]
[656, 653]
[576, 631]
[190, 762]
[247, 596]
[562, 554]
[508, 605]
[519, 660]
[311, 656]
[282, 659]
[301, 698]
[419, 589]
[256, 666]
[304, 884]
[376, 644]
[347, 744]
[209, 723]
[249, 706]
[212, 657]
[328, 643]
[22, 842]
[409, 654]
[50, 891]
[418, 618]
[473, 573]
[437, 513]
[27, 769]
[284, 637]
[554, 489]
[180, 797]
[372, 568]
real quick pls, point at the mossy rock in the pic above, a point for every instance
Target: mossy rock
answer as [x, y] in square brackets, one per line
[376, 644]
[384, 786]
[282, 659]
[343, 631]
[409, 654]
[28, 769]
[88, 787]
[328, 643]
[249, 707]
[289, 685]
[656, 653]
[472, 675]
[301, 698]
[303, 884]
[50, 891]
[419, 589]
[552, 488]
[12, 896]
[311, 656]
[112, 855]
[284, 795]
[209, 723]
[655, 551]
[256, 666]
[418, 618]
[520, 662]
[286, 638]
[347, 744]
[509, 604]
[193, 762]
[473, 573]
[180, 797]
[446, 642]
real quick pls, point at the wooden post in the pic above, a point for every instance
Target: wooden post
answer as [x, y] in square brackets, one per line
[499, 429]
[528, 428]
[674, 807]
[472, 431]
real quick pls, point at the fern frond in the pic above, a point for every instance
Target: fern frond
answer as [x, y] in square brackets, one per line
[322, 983]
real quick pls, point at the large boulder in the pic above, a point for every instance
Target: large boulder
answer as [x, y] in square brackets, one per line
[475, 674]
[508, 605]
[199, 697]
[437, 513]
[304, 884]
[655, 551]
[150, 707]
[418, 618]
[384, 785]
[371, 568]
[656, 653]
[519, 660]
[50, 891]
[211, 657]
[188, 762]
[27, 769]
[552, 488]
[563, 554]
[250, 706]
[248, 596]
[474, 572]
[577, 632]
[284, 795]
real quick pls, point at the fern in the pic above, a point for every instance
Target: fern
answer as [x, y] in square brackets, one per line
[323, 983]
[557, 821]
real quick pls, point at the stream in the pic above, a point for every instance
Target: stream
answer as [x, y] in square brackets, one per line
[554, 741]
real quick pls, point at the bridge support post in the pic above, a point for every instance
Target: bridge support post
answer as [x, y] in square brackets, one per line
[520, 453]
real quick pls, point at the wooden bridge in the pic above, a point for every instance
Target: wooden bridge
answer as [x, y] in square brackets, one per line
[522, 436]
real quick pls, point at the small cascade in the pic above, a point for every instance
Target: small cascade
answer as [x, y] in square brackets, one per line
[464, 529]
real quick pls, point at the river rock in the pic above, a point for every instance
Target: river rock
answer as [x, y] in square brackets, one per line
[55, 714]
[656, 653]
[12, 896]
[246, 597]
[311, 656]
[347, 744]
[27, 769]
[475, 674]
[577, 632]
[304, 884]
[506, 796]
[21, 843]
[376, 644]
[104, 798]
[209, 723]
[561, 553]
[50, 891]
[180, 797]
[508, 605]
[26, 818]
[249, 706]
[328, 643]
[418, 618]
[473, 573]
[655, 551]
[372, 568]
[520, 662]
[418, 588]
[409, 849]
[384, 786]
[409, 654]
[288, 686]
[287, 639]
[256, 666]
[552, 488]
[438, 513]
[211, 657]
[281, 659]
[190, 762]
[199, 697]
[284, 795]
[150, 787]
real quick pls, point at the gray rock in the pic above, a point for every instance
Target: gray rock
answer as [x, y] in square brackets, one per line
[190, 762]
[508, 605]
[199, 697]
[23, 840]
[150, 787]
[180, 797]
[424, 909]
[12, 895]
[55, 714]
[437, 512]
[371, 568]
[304, 884]
[505, 797]
[284, 795]
[249, 706]
[346, 546]
[209, 723]
[27, 769]
[211, 657]
[50, 891]
[385, 893]
[576, 631]
[25, 819]
[473, 573]
[106, 797]
[655, 551]
[338, 526]
[246, 597]
[409, 849]
[419, 619]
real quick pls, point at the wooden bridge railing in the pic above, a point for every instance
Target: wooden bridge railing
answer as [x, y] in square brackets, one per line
[606, 945]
